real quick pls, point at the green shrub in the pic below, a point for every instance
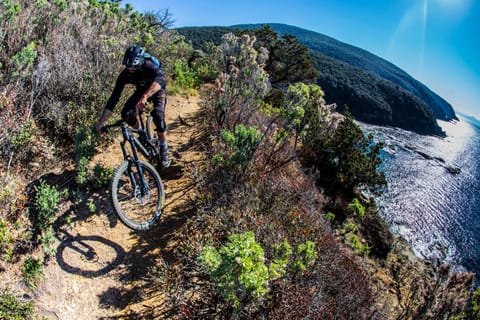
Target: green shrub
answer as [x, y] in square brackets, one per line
[348, 158]
[238, 268]
[306, 256]
[32, 269]
[102, 175]
[278, 267]
[85, 143]
[23, 61]
[6, 241]
[358, 247]
[47, 240]
[184, 76]
[349, 227]
[356, 208]
[12, 309]
[241, 144]
[21, 137]
[330, 216]
[476, 304]
[82, 171]
[47, 202]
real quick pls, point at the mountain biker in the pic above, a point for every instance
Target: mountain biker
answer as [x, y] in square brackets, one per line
[149, 80]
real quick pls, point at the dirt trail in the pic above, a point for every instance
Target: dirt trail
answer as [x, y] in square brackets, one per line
[103, 270]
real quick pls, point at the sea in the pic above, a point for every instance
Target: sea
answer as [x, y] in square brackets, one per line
[433, 194]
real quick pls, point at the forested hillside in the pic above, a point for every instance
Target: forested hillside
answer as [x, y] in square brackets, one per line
[367, 61]
[374, 90]
[274, 222]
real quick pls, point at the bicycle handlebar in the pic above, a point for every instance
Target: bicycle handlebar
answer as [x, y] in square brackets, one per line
[118, 123]
[107, 128]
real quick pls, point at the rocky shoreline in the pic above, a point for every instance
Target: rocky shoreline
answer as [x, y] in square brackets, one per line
[409, 287]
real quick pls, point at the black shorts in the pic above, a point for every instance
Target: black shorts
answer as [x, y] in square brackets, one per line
[159, 100]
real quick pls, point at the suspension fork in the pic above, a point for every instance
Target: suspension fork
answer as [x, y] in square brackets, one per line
[133, 159]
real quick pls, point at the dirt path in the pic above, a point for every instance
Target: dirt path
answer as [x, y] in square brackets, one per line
[103, 270]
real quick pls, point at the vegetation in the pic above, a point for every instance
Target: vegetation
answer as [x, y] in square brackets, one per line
[375, 90]
[368, 62]
[13, 309]
[347, 159]
[32, 269]
[47, 202]
[238, 268]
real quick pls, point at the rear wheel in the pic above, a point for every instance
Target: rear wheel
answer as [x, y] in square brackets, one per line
[138, 205]
[153, 137]
[151, 132]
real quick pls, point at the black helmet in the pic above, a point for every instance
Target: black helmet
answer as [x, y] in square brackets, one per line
[133, 57]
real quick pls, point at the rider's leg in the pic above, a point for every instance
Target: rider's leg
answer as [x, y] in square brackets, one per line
[158, 115]
[128, 111]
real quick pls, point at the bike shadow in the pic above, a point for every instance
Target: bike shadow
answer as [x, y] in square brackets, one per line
[93, 250]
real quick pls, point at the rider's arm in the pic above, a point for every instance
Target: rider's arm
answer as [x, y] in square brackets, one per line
[154, 87]
[117, 91]
[101, 122]
[112, 101]
[156, 74]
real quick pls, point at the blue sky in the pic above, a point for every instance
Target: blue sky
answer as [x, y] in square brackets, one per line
[435, 41]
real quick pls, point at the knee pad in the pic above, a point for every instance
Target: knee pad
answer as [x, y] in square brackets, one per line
[159, 119]
[161, 125]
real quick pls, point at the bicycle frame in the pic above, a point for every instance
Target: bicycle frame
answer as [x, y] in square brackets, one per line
[146, 146]
[133, 158]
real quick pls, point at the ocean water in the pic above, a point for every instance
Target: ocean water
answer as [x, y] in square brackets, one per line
[433, 193]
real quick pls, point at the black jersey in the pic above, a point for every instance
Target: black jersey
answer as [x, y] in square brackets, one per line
[142, 78]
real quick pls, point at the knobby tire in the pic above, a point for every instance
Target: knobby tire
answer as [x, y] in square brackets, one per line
[137, 211]
[151, 132]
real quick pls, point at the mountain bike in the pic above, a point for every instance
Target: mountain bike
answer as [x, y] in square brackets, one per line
[136, 188]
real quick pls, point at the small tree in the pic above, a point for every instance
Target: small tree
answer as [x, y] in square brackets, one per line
[349, 158]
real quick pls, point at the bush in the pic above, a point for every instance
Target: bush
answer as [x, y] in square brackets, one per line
[356, 208]
[32, 269]
[278, 267]
[6, 242]
[357, 246]
[476, 304]
[47, 202]
[12, 309]
[184, 78]
[102, 175]
[238, 268]
[240, 145]
[330, 216]
[348, 159]
[242, 83]
[306, 256]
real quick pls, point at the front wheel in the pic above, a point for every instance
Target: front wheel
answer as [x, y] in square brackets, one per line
[138, 205]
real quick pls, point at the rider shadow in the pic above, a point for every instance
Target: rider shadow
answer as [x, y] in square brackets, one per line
[91, 250]
[173, 172]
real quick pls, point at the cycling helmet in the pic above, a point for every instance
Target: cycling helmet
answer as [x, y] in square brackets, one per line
[133, 57]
